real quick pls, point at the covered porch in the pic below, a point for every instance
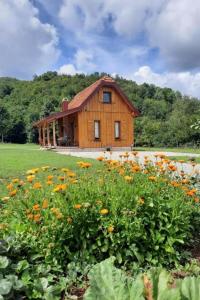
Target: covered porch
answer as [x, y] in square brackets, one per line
[58, 130]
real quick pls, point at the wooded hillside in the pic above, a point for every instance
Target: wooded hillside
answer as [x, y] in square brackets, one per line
[165, 120]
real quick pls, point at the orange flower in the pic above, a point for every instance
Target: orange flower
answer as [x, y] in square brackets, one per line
[37, 217]
[13, 193]
[136, 168]
[104, 211]
[110, 229]
[61, 178]
[191, 192]
[146, 172]
[10, 186]
[37, 185]
[185, 181]
[152, 178]
[172, 168]
[100, 158]
[196, 199]
[175, 184]
[36, 207]
[45, 204]
[60, 188]
[49, 182]
[181, 161]
[77, 206]
[50, 177]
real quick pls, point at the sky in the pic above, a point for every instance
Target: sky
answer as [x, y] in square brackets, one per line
[155, 41]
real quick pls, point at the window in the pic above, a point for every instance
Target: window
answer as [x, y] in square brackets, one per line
[117, 130]
[107, 97]
[97, 130]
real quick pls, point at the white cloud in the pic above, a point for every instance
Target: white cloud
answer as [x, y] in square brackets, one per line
[27, 45]
[68, 69]
[186, 82]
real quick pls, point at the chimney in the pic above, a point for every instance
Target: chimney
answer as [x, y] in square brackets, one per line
[64, 105]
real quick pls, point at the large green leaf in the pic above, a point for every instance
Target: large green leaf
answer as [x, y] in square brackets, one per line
[4, 262]
[5, 286]
[190, 288]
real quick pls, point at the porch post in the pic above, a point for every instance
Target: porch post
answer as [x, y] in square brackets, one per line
[48, 136]
[54, 134]
[40, 135]
[43, 131]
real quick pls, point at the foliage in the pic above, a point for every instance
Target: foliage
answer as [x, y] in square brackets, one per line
[171, 112]
[106, 282]
[120, 209]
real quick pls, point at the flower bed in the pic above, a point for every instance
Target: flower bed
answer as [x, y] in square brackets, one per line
[143, 215]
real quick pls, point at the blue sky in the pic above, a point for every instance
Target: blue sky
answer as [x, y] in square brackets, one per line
[153, 41]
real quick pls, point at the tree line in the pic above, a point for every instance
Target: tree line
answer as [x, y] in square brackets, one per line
[166, 115]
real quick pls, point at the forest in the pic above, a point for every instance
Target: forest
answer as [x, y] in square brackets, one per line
[165, 120]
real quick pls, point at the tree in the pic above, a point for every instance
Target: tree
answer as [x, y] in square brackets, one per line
[4, 122]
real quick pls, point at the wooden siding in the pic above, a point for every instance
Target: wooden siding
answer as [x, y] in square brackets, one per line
[107, 114]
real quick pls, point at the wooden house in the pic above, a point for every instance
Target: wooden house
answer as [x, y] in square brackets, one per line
[100, 116]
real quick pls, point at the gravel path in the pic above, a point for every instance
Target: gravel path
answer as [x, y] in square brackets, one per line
[186, 167]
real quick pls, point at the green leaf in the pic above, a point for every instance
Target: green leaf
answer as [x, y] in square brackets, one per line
[5, 286]
[190, 288]
[4, 262]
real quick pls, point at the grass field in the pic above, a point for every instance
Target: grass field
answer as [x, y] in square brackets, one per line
[15, 159]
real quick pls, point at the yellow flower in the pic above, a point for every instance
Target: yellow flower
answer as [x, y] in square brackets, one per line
[61, 178]
[71, 174]
[104, 211]
[110, 229]
[49, 182]
[128, 178]
[15, 180]
[77, 206]
[30, 178]
[31, 172]
[45, 168]
[60, 188]
[65, 170]
[37, 185]
[100, 158]
[5, 198]
[13, 193]
[141, 200]
[45, 204]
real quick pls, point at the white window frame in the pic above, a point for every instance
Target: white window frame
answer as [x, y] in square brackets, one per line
[96, 129]
[117, 129]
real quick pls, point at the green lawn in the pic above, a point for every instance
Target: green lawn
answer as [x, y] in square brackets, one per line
[184, 150]
[16, 159]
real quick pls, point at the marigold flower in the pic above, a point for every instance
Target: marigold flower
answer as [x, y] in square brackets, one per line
[136, 168]
[196, 199]
[36, 207]
[45, 168]
[152, 178]
[60, 188]
[185, 181]
[5, 198]
[100, 158]
[65, 170]
[45, 204]
[128, 178]
[13, 193]
[110, 229]
[71, 174]
[37, 185]
[61, 178]
[30, 178]
[175, 184]
[10, 186]
[181, 161]
[15, 180]
[77, 206]
[104, 211]
[50, 177]
[37, 217]
[31, 172]
[191, 192]
[49, 182]
[172, 168]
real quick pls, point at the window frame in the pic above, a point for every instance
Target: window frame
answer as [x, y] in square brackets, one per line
[110, 93]
[99, 130]
[119, 130]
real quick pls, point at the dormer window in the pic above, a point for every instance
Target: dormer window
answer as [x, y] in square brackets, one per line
[107, 97]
